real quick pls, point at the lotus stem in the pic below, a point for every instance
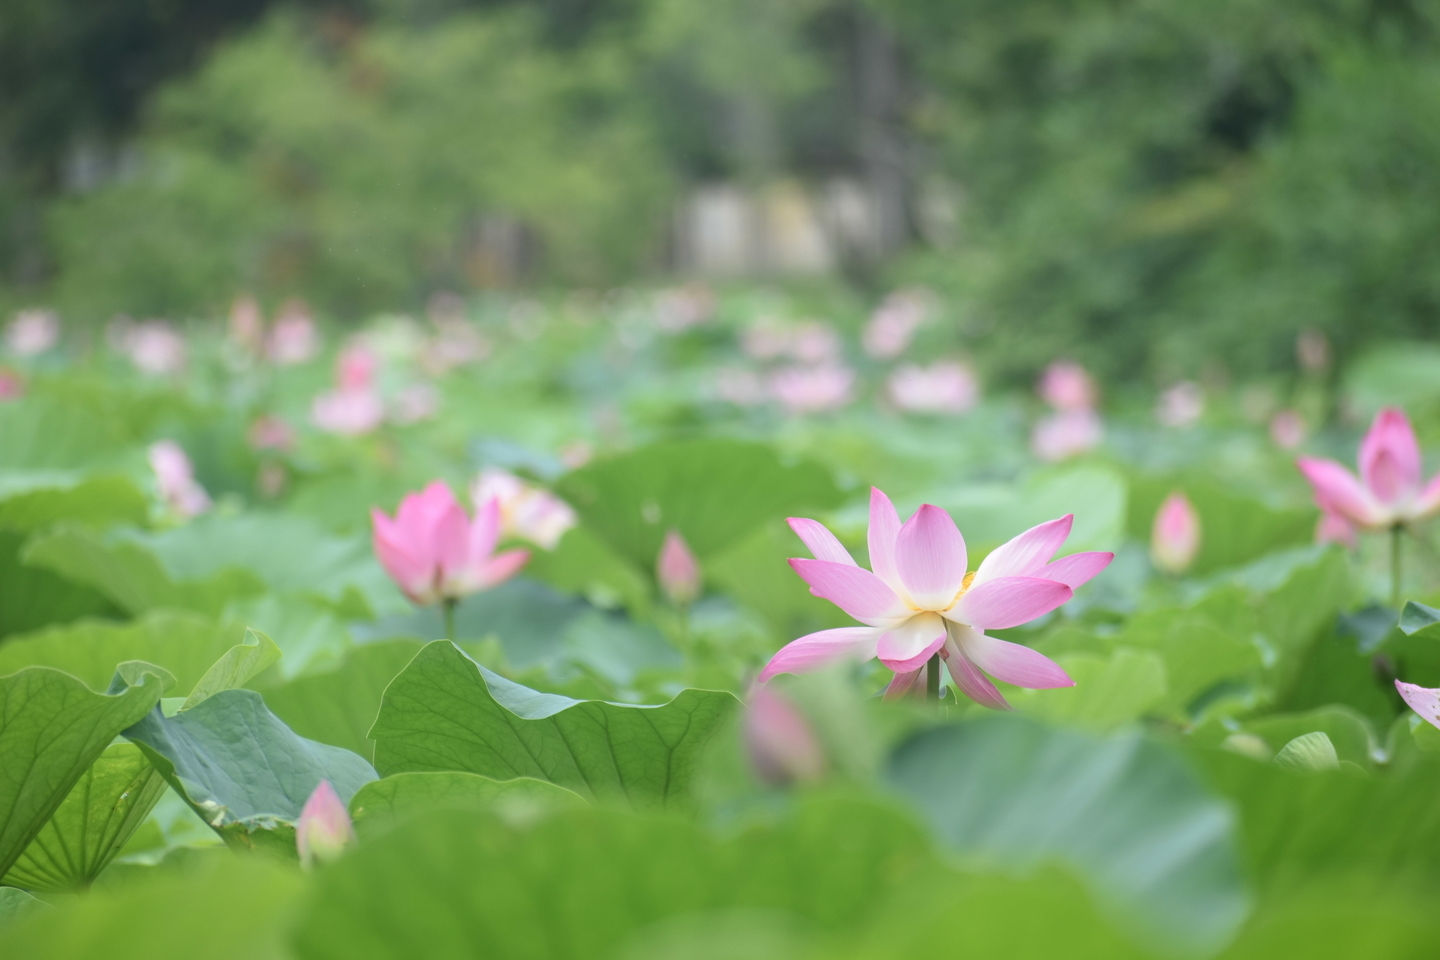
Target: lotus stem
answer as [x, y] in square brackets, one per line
[1396, 535]
[448, 605]
[932, 678]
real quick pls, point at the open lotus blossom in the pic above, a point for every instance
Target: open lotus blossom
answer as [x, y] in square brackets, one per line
[779, 743]
[919, 600]
[803, 390]
[1065, 385]
[1390, 489]
[1175, 537]
[293, 339]
[526, 512]
[33, 332]
[893, 324]
[434, 552]
[677, 570]
[175, 480]
[155, 347]
[324, 829]
[1423, 700]
[355, 407]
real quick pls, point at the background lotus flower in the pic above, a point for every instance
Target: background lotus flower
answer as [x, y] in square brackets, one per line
[945, 387]
[434, 552]
[1390, 490]
[247, 324]
[677, 570]
[1066, 434]
[350, 413]
[1175, 536]
[893, 324]
[293, 339]
[1182, 405]
[919, 600]
[1287, 429]
[33, 332]
[270, 432]
[1423, 700]
[526, 512]
[155, 347]
[324, 829]
[779, 743]
[1333, 528]
[12, 385]
[812, 389]
[1065, 385]
[175, 480]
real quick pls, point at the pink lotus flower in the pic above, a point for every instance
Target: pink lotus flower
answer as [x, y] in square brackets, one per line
[350, 413]
[802, 390]
[1175, 537]
[677, 571]
[1066, 386]
[526, 512]
[355, 367]
[815, 342]
[920, 600]
[1423, 700]
[1332, 528]
[1182, 405]
[778, 740]
[1390, 490]
[293, 338]
[1068, 433]
[270, 432]
[893, 324]
[175, 480]
[434, 552]
[324, 829]
[944, 387]
[155, 347]
[33, 332]
[1287, 429]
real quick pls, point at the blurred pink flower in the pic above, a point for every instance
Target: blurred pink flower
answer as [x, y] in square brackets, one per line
[680, 308]
[324, 829]
[810, 389]
[356, 366]
[739, 386]
[155, 347]
[1391, 488]
[1312, 350]
[814, 342]
[1423, 700]
[677, 571]
[526, 512]
[944, 387]
[1182, 405]
[576, 454]
[893, 324]
[455, 344]
[1175, 537]
[417, 402]
[175, 480]
[1065, 385]
[293, 338]
[920, 601]
[1059, 436]
[1333, 528]
[349, 413]
[780, 745]
[1287, 429]
[434, 552]
[33, 332]
[270, 432]
[247, 325]
[12, 385]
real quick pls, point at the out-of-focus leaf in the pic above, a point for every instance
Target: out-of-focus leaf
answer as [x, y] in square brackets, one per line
[99, 815]
[381, 804]
[1201, 646]
[16, 903]
[31, 501]
[242, 770]
[131, 576]
[989, 515]
[446, 712]
[1109, 691]
[40, 433]
[1341, 921]
[31, 598]
[235, 668]
[1348, 732]
[339, 707]
[1156, 847]
[307, 630]
[1310, 751]
[713, 491]
[52, 728]
[1417, 617]
[582, 564]
[1235, 528]
[755, 574]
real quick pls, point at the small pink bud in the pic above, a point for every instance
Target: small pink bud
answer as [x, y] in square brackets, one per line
[324, 828]
[1287, 429]
[677, 570]
[781, 747]
[1175, 539]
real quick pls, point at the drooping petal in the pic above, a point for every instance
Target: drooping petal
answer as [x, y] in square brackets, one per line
[1338, 491]
[500, 568]
[485, 530]
[781, 746]
[971, 681]
[1076, 569]
[906, 646]
[1423, 700]
[903, 684]
[1008, 602]
[820, 649]
[1027, 554]
[884, 528]
[1427, 504]
[1390, 458]
[855, 590]
[821, 543]
[415, 577]
[1012, 662]
[930, 558]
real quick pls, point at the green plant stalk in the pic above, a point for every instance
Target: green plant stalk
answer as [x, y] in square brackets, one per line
[449, 607]
[1396, 533]
[932, 678]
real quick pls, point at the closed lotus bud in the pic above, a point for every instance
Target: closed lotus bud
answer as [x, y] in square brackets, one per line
[677, 570]
[1176, 538]
[324, 829]
[781, 747]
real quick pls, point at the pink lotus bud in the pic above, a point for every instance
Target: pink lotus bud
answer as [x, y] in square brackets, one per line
[1066, 386]
[1287, 429]
[175, 480]
[1175, 539]
[324, 829]
[780, 744]
[677, 570]
[355, 367]
[1334, 528]
[33, 332]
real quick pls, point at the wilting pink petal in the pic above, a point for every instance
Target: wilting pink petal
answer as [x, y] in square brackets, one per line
[930, 558]
[1423, 700]
[1333, 528]
[1027, 554]
[1338, 491]
[884, 529]
[903, 684]
[1175, 538]
[855, 590]
[1076, 569]
[1390, 458]
[821, 543]
[820, 649]
[971, 681]
[780, 744]
[1012, 662]
[324, 829]
[1008, 602]
[906, 646]
[677, 570]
